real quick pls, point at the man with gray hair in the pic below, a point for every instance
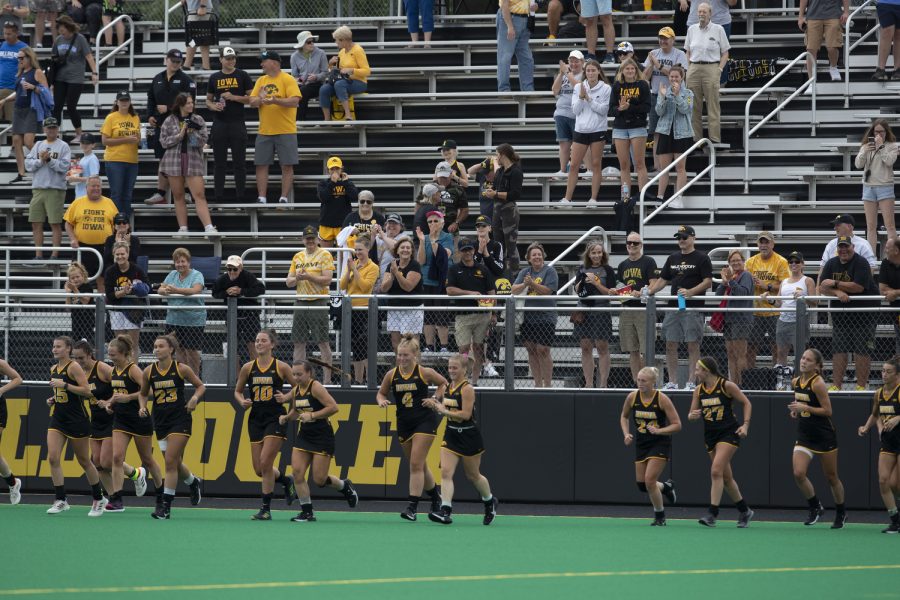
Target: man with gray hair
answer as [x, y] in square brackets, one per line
[637, 272]
[706, 47]
[89, 221]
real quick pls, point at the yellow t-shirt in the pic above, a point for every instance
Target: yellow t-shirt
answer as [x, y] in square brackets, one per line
[92, 221]
[355, 59]
[316, 264]
[772, 271]
[116, 125]
[368, 274]
[273, 119]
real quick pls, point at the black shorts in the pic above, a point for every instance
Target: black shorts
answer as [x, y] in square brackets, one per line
[586, 139]
[819, 441]
[133, 424]
[70, 426]
[595, 326]
[315, 438]
[463, 441]
[189, 338]
[657, 448]
[888, 15]
[763, 326]
[359, 327]
[4, 414]
[721, 436]
[177, 421]
[247, 326]
[101, 424]
[568, 7]
[890, 442]
[265, 425]
[669, 145]
[541, 333]
[427, 424]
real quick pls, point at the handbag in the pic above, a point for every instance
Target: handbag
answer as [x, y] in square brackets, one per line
[717, 320]
[56, 63]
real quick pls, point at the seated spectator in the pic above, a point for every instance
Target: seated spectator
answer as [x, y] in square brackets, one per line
[454, 203]
[122, 279]
[468, 278]
[556, 10]
[48, 161]
[434, 254]
[507, 191]
[310, 273]
[309, 66]
[484, 173]
[359, 279]
[30, 80]
[594, 329]
[121, 233]
[121, 136]
[198, 11]
[843, 227]
[336, 196]
[363, 220]
[188, 323]
[388, 238]
[354, 70]
[876, 157]
[888, 36]
[674, 133]
[538, 327]
[89, 221]
[706, 47]
[88, 166]
[629, 105]
[112, 10]
[78, 298]
[624, 51]
[736, 281]
[889, 285]
[73, 52]
[590, 104]
[239, 283]
[403, 278]
[87, 12]
[450, 154]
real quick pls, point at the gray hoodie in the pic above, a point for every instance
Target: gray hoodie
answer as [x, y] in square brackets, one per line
[52, 174]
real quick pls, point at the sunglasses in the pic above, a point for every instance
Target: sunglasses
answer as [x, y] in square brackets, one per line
[683, 236]
[20, 57]
[366, 202]
[434, 221]
[633, 243]
[231, 269]
[794, 262]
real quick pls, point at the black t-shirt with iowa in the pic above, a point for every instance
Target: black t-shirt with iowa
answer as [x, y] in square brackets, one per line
[237, 83]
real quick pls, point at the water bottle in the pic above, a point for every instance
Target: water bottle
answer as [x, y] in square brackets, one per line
[682, 305]
[145, 131]
[645, 295]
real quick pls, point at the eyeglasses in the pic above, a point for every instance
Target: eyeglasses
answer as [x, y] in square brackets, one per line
[683, 236]
[231, 269]
[633, 243]
[308, 43]
[366, 202]
[434, 221]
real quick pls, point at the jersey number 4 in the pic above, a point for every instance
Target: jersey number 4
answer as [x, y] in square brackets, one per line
[407, 400]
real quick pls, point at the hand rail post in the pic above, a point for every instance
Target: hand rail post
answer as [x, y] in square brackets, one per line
[684, 156]
[130, 42]
[847, 50]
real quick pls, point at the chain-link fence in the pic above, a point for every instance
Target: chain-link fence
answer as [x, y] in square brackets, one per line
[230, 10]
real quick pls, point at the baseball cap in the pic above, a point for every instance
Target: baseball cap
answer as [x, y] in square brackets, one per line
[123, 95]
[234, 261]
[270, 55]
[482, 220]
[576, 54]
[88, 138]
[393, 217]
[303, 37]
[430, 189]
[841, 218]
[667, 32]
[50, 122]
[140, 289]
[845, 240]
[120, 217]
[796, 256]
[310, 231]
[335, 161]
[448, 145]
[228, 51]
[175, 53]
[624, 48]
[443, 169]
[465, 244]
[685, 229]
[435, 213]
[766, 235]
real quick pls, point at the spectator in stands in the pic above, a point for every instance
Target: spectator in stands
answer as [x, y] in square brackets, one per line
[768, 269]
[432, 199]
[237, 282]
[121, 136]
[706, 47]
[25, 124]
[591, 104]
[888, 36]
[88, 166]
[336, 195]
[889, 285]
[89, 221]
[122, 279]
[354, 70]
[450, 153]
[736, 281]
[593, 329]
[359, 280]
[844, 276]
[435, 254]
[309, 66]
[508, 181]
[87, 12]
[689, 272]
[823, 21]
[13, 11]
[624, 51]
[48, 161]
[637, 272]
[453, 198]
[73, 51]
[227, 94]
[112, 10]
[364, 220]
[657, 66]
[414, 8]
[9, 64]
[484, 173]
[569, 75]
[164, 88]
[512, 40]
[403, 278]
[277, 96]
[629, 104]
[721, 13]
[489, 254]
[311, 271]
[121, 233]
[674, 133]
[181, 286]
[538, 327]
[876, 157]
[843, 226]
[45, 10]
[556, 10]
[387, 239]
[183, 135]
[198, 10]
[78, 296]
[468, 278]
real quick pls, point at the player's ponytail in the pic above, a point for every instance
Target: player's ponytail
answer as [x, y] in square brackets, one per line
[818, 359]
[123, 344]
[411, 341]
[712, 365]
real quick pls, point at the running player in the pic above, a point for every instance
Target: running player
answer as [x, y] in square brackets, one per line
[886, 416]
[407, 383]
[712, 401]
[128, 423]
[462, 439]
[172, 419]
[15, 380]
[655, 419]
[815, 436]
[69, 421]
[314, 443]
[266, 376]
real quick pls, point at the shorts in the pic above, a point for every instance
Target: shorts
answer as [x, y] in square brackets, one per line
[737, 331]
[285, 145]
[565, 128]
[359, 328]
[656, 448]
[265, 425]
[786, 333]
[876, 193]
[653, 116]
[568, 6]
[6, 110]
[311, 325]
[890, 442]
[586, 139]
[194, 18]
[857, 335]
[133, 424]
[4, 413]
[711, 437]
[827, 30]
[463, 441]
[119, 322]
[633, 331]
[70, 427]
[91, 261]
[682, 326]
[48, 6]
[541, 333]
[762, 327]
[46, 205]
[101, 424]
[471, 329]
[669, 145]
[405, 321]
[594, 8]
[820, 441]
[438, 318]
[425, 425]
[888, 14]
[629, 134]
[595, 326]
[24, 120]
[189, 337]
[328, 234]
[173, 421]
[113, 10]
[315, 438]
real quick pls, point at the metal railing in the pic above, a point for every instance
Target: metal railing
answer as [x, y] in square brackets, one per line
[129, 43]
[710, 168]
[800, 90]
[8, 262]
[169, 10]
[848, 47]
[587, 234]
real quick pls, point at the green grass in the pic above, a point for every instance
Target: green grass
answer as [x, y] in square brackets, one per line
[377, 555]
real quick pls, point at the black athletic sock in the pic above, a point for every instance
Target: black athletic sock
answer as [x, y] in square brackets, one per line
[306, 508]
[742, 505]
[447, 509]
[840, 508]
[11, 480]
[267, 501]
[284, 480]
[116, 496]
[659, 514]
[96, 491]
[813, 502]
[60, 492]
[434, 492]
[159, 493]
[714, 510]
[413, 503]
[167, 500]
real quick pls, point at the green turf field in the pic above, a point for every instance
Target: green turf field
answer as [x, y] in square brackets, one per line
[221, 553]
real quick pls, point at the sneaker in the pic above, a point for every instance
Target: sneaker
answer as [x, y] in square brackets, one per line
[195, 491]
[489, 371]
[436, 503]
[262, 515]
[610, 173]
[350, 494]
[565, 203]
[441, 516]
[559, 175]
[304, 517]
[677, 203]
[114, 506]
[839, 520]
[670, 495]
[140, 483]
[161, 513]
[708, 521]
[860, 388]
[490, 511]
[815, 513]
[181, 233]
[58, 507]
[156, 198]
[408, 514]
[835, 74]
[609, 58]
[586, 175]
[211, 231]
[744, 519]
[894, 527]
[671, 386]
[551, 40]
[690, 386]
[15, 492]
[592, 203]
[881, 75]
[18, 179]
[445, 350]
[290, 492]
[97, 507]
[283, 200]
[658, 523]
[833, 388]
[262, 200]
[35, 262]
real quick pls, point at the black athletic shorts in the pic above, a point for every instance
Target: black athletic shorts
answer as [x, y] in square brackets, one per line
[661, 448]
[133, 424]
[463, 441]
[69, 426]
[101, 424]
[725, 436]
[426, 424]
[890, 442]
[818, 441]
[172, 421]
[4, 414]
[262, 425]
[316, 437]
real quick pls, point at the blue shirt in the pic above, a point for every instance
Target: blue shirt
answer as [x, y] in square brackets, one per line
[90, 166]
[9, 64]
[445, 241]
[185, 318]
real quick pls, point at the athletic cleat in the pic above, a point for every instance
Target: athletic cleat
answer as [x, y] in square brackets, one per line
[490, 511]
[894, 527]
[140, 484]
[58, 507]
[815, 513]
[408, 514]
[436, 503]
[744, 519]
[304, 517]
[114, 506]
[350, 494]
[658, 523]
[97, 507]
[290, 492]
[262, 515]
[15, 492]
[839, 520]
[195, 491]
[670, 495]
[161, 513]
[708, 521]
[441, 516]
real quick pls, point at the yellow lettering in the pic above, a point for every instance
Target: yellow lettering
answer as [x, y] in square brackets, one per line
[371, 443]
[222, 413]
[27, 461]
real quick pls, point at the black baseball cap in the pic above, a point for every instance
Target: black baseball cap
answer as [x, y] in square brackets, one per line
[120, 217]
[123, 95]
[482, 220]
[845, 240]
[685, 230]
[270, 55]
[844, 218]
[175, 53]
[310, 231]
[796, 256]
[88, 138]
[395, 218]
[465, 244]
[448, 145]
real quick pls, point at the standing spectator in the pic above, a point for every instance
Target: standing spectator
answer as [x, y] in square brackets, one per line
[556, 10]
[240, 283]
[89, 221]
[721, 13]
[121, 233]
[823, 21]
[593, 329]
[567, 78]
[186, 323]
[364, 220]
[736, 281]
[888, 36]
[489, 254]
[590, 104]
[638, 271]
[846, 275]
[359, 280]
[121, 135]
[768, 269]
[512, 40]
[30, 79]
[591, 12]
[228, 92]
[507, 190]
[414, 8]
[876, 157]
[124, 280]
[13, 11]
[388, 239]
[689, 272]
[309, 66]
[79, 298]
[72, 49]
[889, 285]
[112, 10]
[674, 132]
[88, 166]
[450, 153]
[45, 10]
[468, 278]
[403, 277]
[484, 173]
[183, 135]
[276, 95]
[336, 196]
[706, 47]
[629, 105]
[432, 199]
[48, 161]
[310, 273]
[87, 12]
[843, 226]
[434, 254]
[538, 327]
[657, 66]
[453, 198]
[354, 69]
[198, 11]
[164, 88]
[9, 64]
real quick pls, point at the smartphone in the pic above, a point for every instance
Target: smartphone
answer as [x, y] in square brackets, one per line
[872, 140]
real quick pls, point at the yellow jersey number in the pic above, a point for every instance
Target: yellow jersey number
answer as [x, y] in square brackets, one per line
[262, 393]
[714, 413]
[642, 425]
[165, 396]
[407, 400]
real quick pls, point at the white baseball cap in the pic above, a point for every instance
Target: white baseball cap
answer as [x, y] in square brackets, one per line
[576, 54]
[228, 51]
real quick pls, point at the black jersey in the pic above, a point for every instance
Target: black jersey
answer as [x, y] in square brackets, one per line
[65, 403]
[100, 390]
[888, 403]
[646, 414]
[408, 392]
[453, 401]
[716, 406]
[122, 383]
[306, 402]
[166, 387]
[811, 425]
[264, 384]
